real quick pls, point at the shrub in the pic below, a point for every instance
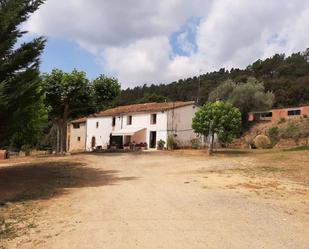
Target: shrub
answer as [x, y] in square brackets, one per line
[27, 148]
[171, 143]
[281, 121]
[262, 142]
[291, 131]
[274, 135]
[161, 144]
[195, 143]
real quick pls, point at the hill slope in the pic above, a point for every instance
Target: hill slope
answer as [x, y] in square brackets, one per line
[286, 76]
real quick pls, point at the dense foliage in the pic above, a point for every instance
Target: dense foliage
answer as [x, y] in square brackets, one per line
[105, 89]
[220, 118]
[71, 95]
[22, 112]
[247, 96]
[286, 76]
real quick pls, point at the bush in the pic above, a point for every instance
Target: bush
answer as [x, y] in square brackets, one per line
[161, 144]
[27, 148]
[262, 142]
[274, 135]
[291, 131]
[281, 121]
[195, 143]
[171, 143]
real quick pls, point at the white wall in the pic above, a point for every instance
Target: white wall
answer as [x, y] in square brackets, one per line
[142, 120]
[180, 121]
[139, 120]
[101, 133]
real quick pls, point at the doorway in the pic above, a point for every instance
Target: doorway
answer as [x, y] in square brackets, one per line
[153, 139]
[117, 141]
[93, 142]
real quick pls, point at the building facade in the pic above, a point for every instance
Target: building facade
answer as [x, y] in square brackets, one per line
[141, 124]
[276, 114]
[76, 135]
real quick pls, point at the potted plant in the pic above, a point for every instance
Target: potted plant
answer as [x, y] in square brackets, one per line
[113, 146]
[161, 144]
[126, 146]
[143, 146]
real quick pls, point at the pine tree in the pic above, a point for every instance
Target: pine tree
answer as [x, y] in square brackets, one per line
[21, 92]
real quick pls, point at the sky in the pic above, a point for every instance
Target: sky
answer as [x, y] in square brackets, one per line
[160, 41]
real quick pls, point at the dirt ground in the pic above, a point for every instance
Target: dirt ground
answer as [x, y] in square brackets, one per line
[181, 199]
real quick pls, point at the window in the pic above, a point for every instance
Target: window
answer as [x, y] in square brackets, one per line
[294, 112]
[97, 124]
[129, 120]
[266, 115]
[76, 126]
[114, 122]
[78, 139]
[153, 118]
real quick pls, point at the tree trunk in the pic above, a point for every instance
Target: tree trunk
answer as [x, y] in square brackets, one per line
[63, 140]
[210, 147]
[64, 136]
[58, 138]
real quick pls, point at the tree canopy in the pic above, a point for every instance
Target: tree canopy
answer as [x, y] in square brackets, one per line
[105, 90]
[247, 96]
[220, 118]
[71, 95]
[22, 111]
[287, 77]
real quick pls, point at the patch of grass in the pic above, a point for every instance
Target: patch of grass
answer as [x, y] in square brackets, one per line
[31, 225]
[6, 230]
[270, 169]
[299, 148]
[255, 170]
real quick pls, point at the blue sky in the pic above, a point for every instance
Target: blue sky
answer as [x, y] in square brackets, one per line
[145, 41]
[66, 55]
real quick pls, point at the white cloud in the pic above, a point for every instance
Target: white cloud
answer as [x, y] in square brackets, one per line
[131, 37]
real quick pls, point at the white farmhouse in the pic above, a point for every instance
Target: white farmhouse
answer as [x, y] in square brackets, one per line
[141, 124]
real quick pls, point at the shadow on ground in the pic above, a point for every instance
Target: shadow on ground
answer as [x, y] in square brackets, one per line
[47, 180]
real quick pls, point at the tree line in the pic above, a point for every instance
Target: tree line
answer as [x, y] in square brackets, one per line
[287, 77]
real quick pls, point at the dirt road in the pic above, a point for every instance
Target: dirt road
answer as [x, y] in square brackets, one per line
[160, 200]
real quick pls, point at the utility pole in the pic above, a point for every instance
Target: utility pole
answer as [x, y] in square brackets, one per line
[199, 86]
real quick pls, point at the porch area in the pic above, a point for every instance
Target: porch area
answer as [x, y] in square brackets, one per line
[129, 139]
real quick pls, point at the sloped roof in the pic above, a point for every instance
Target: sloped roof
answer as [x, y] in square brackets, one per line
[147, 107]
[80, 120]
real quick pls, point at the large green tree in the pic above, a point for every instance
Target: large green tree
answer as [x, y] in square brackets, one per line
[220, 118]
[68, 95]
[21, 93]
[105, 90]
[247, 96]
[71, 95]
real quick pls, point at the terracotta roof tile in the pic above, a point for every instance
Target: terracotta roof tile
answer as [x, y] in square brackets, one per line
[147, 107]
[80, 120]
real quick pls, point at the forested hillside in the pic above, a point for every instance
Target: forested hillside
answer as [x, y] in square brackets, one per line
[286, 76]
